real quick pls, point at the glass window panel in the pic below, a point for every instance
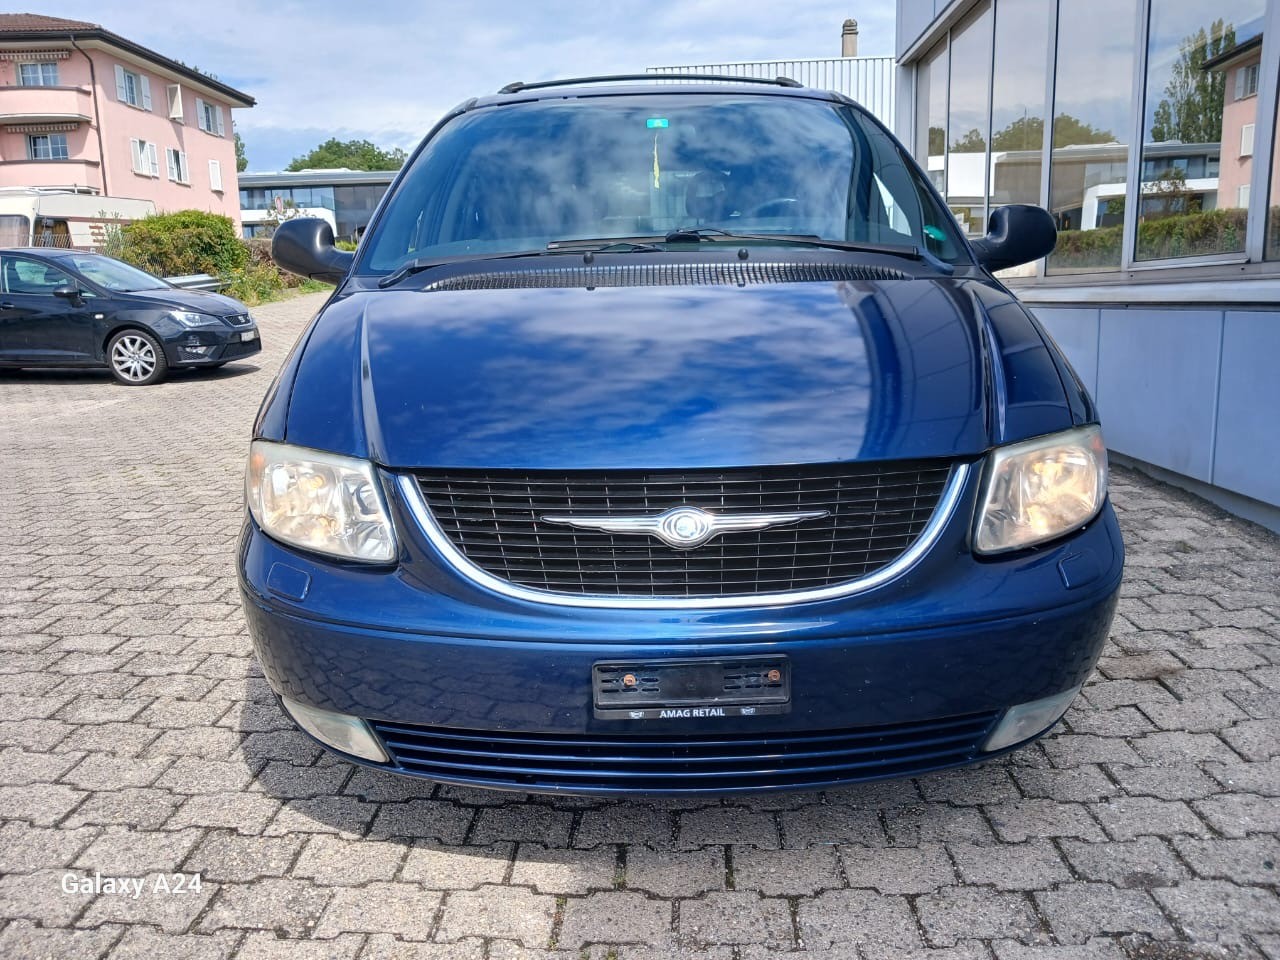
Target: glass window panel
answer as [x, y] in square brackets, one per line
[1093, 104]
[931, 115]
[967, 130]
[1272, 250]
[1017, 100]
[1202, 104]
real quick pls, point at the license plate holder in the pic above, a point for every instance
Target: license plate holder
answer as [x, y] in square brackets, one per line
[248, 335]
[692, 688]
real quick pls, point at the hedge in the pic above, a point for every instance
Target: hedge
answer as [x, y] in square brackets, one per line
[189, 241]
[1185, 235]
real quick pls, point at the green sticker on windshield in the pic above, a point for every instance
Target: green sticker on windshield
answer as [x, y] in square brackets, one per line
[657, 123]
[933, 233]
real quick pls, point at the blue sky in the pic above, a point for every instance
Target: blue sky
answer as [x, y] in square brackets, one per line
[386, 71]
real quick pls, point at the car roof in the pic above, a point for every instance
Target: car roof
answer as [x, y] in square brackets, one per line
[606, 87]
[51, 253]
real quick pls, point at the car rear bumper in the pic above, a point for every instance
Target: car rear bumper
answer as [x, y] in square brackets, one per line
[500, 695]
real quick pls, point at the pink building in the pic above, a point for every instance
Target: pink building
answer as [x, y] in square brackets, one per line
[82, 107]
[1241, 64]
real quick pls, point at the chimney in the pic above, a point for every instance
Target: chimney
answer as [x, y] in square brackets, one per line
[849, 39]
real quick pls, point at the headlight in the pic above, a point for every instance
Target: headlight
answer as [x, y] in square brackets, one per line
[319, 501]
[189, 320]
[1040, 489]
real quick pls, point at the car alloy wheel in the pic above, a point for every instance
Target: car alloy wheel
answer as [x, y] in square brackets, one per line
[136, 358]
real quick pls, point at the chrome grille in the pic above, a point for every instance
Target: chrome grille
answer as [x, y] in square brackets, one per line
[238, 319]
[687, 763]
[875, 512]
[668, 274]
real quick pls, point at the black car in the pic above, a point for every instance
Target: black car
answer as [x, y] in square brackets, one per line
[68, 308]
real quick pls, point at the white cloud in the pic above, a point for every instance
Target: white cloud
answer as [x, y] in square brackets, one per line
[386, 71]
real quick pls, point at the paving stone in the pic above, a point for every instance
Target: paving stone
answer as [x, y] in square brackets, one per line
[22, 938]
[1237, 814]
[614, 917]
[386, 947]
[122, 852]
[261, 945]
[439, 867]
[728, 825]
[42, 804]
[857, 918]
[1032, 865]
[26, 849]
[161, 902]
[735, 917]
[563, 871]
[333, 861]
[936, 823]
[1097, 949]
[1244, 860]
[1178, 782]
[687, 873]
[1220, 912]
[405, 910]
[957, 913]
[39, 896]
[831, 824]
[508, 913]
[625, 823]
[292, 906]
[1143, 863]
[230, 857]
[243, 812]
[1024, 819]
[921, 869]
[1083, 911]
[429, 819]
[1085, 782]
[785, 872]
[517, 822]
[1124, 818]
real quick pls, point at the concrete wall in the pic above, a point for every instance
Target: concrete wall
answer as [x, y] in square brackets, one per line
[1195, 391]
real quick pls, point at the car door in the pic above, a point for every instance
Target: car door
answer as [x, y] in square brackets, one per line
[35, 326]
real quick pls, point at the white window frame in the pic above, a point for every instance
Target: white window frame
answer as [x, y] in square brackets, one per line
[173, 92]
[176, 165]
[43, 68]
[209, 118]
[146, 161]
[215, 176]
[133, 88]
[51, 139]
[1247, 80]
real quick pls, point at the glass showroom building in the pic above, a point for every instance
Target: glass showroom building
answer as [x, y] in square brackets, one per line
[1148, 129]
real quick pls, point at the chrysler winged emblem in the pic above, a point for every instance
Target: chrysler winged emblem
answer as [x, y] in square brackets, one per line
[686, 527]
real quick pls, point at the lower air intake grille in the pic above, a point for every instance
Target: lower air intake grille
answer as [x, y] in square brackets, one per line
[668, 274]
[874, 512]
[689, 763]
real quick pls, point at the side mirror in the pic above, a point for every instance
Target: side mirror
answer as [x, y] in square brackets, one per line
[305, 246]
[1017, 233]
[69, 292]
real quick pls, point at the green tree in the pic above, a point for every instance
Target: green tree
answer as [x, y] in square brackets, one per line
[1191, 109]
[1027, 133]
[352, 154]
[242, 161]
[971, 142]
[937, 141]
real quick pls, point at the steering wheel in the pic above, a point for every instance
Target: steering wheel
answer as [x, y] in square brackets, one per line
[773, 207]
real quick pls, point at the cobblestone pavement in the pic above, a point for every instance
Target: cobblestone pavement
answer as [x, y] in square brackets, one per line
[138, 739]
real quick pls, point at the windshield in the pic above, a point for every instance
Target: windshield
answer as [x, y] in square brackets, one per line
[112, 274]
[515, 178]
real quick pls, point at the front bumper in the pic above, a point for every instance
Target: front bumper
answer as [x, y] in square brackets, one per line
[203, 347]
[471, 687]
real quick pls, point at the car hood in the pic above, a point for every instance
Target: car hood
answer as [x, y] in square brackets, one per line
[197, 301]
[674, 377]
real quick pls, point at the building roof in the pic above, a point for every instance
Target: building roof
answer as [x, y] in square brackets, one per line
[20, 27]
[315, 178]
[1231, 54]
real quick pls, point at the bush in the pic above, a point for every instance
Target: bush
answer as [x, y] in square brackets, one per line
[1182, 235]
[189, 241]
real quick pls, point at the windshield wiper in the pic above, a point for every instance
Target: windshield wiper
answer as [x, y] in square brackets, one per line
[426, 263]
[715, 235]
[605, 245]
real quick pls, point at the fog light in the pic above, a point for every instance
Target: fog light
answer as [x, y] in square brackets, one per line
[338, 730]
[1027, 719]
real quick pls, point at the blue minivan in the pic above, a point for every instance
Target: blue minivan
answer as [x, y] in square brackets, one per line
[670, 438]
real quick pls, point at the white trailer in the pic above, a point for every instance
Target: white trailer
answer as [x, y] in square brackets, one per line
[64, 218]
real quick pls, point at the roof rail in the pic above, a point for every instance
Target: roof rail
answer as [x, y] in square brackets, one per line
[721, 78]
